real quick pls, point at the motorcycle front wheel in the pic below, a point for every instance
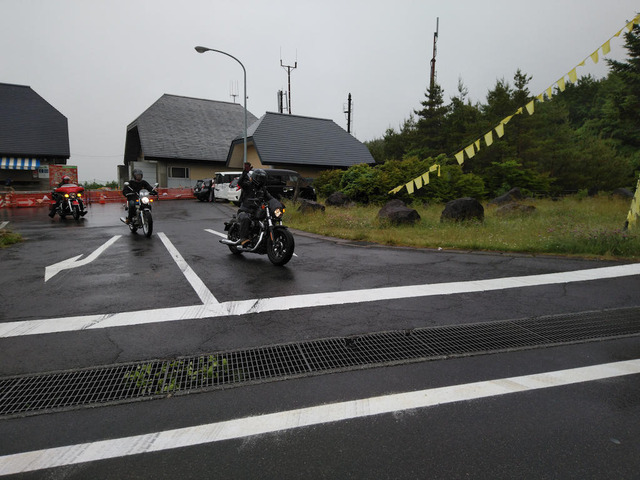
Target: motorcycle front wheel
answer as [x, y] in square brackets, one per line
[147, 225]
[280, 247]
[76, 212]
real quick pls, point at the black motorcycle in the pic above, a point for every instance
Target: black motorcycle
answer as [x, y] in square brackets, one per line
[142, 217]
[267, 234]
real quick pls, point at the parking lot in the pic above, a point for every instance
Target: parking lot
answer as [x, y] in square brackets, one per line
[77, 295]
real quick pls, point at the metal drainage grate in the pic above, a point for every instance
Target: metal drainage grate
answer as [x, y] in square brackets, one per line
[36, 393]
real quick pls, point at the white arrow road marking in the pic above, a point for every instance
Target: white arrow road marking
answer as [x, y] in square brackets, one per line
[198, 285]
[3, 224]
[306, 417]
[261, 305]
[73, 262]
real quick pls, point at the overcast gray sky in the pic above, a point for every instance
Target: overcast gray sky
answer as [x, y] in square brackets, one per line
[103, 62]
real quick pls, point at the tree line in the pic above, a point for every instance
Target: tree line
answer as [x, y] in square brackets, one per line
[586, 137]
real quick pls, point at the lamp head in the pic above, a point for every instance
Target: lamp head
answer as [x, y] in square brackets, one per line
[201, 49]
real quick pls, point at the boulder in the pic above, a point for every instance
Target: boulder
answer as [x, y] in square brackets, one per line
[337, 199]
[622, 192]
[462, 209]
[512, 195]
[515, 209]
[398, 213]
[310, 206]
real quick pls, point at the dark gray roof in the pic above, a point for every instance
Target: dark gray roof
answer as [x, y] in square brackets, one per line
[296, 140]
[189, 128]
[29, 125]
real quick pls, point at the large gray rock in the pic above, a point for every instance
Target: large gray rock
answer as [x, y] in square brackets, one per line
[338, 199]
[310, 206]
[462, 209]
[398, 213]
[512, 195]
[515, 210]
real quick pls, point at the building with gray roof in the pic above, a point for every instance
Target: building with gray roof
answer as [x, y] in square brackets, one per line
[305, 144]
[179, 140]
[33, 135]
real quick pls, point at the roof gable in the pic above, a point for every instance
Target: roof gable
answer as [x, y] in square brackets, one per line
[189, 128]
[29, 125]
[297, 140]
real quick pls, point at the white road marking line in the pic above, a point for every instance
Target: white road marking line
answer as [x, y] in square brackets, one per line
[3, 224]
[305, 417]
[215, 233]
[198, 285]
[242, 307]
[73, 262]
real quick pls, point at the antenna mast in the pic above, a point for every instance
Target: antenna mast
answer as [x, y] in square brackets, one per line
[289, 68]
[348, 112]
[432, 80]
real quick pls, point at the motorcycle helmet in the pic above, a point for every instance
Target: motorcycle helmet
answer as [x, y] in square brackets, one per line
[259, 177]
[66, 179]
[137, 174]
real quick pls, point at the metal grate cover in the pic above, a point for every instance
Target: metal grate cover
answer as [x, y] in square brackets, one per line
[30, 394]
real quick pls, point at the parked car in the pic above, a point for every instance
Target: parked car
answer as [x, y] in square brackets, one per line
[234, 191]
[203, 190]
[283, 183]
[222, 181]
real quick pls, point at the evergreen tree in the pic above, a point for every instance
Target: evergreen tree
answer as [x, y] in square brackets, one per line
[430, 136]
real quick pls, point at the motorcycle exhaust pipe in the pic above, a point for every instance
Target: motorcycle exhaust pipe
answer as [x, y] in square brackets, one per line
[226, 241]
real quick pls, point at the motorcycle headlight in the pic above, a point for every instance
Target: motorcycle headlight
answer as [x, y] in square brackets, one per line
[79, 194]
[279, 212]
[66, 195]
[145, 200]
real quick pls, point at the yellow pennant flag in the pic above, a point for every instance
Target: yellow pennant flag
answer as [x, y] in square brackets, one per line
[500, 130]
[425, 178]
[397, 189]
[561, 84]
[477, 144]
[618, 34]
[594, 56]
[488, 139]
[630, 25]
[470, 151]
[460, 157]
[541, 97]
[549, 92]
[530, 107]
[435, 167]
[409, 187]
[606, 47]
[418, 182]
[573, 76]
[506, 120]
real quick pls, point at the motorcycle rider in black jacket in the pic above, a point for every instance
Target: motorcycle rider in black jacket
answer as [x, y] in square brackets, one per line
[254, 191]
[135, 185]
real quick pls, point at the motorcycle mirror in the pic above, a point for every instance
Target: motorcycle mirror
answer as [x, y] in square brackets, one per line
[155, 185]
[126, 184]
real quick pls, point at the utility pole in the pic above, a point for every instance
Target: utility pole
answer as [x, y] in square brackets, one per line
[348, 112]
[432, 80]
[280, 107]
[289, 68]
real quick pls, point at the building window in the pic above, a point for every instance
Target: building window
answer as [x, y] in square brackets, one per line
[179, 172]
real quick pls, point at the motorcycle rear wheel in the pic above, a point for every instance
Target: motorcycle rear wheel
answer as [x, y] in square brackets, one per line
[233, 236]
[280, 249]
[147, 226]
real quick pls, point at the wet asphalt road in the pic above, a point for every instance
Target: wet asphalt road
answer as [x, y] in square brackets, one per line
[586, 430]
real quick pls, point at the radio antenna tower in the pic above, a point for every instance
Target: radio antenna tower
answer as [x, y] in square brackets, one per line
[289, 68]
[432, 79]
[233, 90]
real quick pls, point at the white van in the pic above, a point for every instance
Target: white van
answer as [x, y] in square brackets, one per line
[222, 181]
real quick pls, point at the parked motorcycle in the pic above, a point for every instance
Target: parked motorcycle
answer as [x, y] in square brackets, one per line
[267, 234]
[203, 190]
[142, 217]
[68, 201]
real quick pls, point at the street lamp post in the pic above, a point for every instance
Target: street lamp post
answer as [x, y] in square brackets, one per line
[205, 49]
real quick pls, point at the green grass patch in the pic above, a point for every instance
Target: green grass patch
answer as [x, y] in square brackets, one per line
[9, 238]
[586, 227]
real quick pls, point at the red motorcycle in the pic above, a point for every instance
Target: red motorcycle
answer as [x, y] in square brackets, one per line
[67, 200]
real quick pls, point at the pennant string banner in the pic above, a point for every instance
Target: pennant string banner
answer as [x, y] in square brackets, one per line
[417, 182]
[474, 146]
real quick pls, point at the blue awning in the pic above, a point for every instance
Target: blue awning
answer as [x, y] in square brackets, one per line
[10, 163]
